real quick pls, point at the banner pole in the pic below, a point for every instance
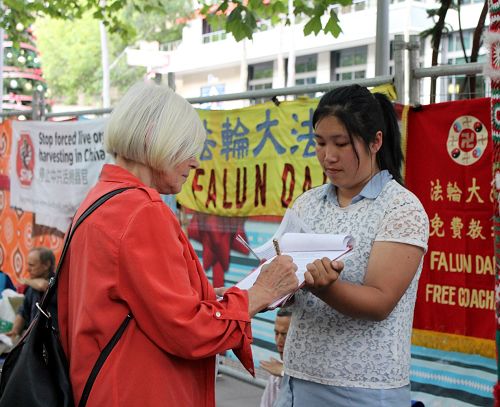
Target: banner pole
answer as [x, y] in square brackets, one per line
[493, 39]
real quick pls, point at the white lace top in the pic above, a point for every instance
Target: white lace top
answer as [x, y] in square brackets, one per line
[325, 346]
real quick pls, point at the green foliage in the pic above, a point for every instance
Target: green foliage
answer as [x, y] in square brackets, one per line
[71, 63]
[20, 14]
[240, 18]
[163, 23]
[71, 49]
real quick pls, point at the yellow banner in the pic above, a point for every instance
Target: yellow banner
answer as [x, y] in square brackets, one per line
[256, 160]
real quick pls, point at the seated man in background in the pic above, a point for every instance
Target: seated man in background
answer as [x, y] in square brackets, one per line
[41, 263]
[274, 366]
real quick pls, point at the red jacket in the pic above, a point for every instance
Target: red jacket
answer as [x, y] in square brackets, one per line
[131, 255]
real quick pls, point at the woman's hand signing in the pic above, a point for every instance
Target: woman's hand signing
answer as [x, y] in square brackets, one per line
[275, 280]
[322, 273]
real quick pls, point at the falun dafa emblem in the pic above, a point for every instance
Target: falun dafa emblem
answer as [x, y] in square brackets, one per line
[467, 140]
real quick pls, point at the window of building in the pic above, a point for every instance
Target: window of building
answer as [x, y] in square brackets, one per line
[455, 44]
[306, 68]
[465, 2]
[349, 64]
[306, 64]
[346, 9]
[456, 87]
[359, 5]
[210, 33]
[260, 76]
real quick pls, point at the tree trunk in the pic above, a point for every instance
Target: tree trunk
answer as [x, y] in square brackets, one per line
[436, 42]
[466, 89]
[476, 44]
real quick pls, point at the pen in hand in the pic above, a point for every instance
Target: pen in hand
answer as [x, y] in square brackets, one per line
[244, 243]
[277, 247]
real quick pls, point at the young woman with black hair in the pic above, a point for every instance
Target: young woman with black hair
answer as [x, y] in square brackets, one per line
[349, 340]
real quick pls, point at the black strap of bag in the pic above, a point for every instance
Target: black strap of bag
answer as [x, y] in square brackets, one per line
[113, 341]
[116, 337]
[102, 358]
[53, 287]
[50, 292]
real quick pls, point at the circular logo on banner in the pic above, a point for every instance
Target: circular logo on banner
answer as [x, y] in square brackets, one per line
[467, 140]
[2, 255]
[2, 201]
[3, 144]
[25, 160]
[8, 230]
[17, 262]
[28, 233]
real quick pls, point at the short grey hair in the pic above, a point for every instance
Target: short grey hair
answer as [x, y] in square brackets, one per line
[154, 126]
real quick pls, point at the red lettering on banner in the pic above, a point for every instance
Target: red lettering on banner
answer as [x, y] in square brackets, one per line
[260, 185]
[287, 170]
[241, 201]
[195, 185]
[212, 190]
[307, 180]
[225, 203]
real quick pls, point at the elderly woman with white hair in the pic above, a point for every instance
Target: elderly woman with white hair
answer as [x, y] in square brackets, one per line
[132, 257]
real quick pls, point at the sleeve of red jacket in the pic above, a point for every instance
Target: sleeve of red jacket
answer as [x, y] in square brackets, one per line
[161, 284]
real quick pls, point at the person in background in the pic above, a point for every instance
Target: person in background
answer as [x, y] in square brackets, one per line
[41, 264]
[274, 366]
[131, 258]
[349, 340]
[6, 282]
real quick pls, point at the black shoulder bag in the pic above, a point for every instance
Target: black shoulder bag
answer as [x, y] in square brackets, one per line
[35, 372]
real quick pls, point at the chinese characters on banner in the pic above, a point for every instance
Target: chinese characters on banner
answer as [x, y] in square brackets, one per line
[53, 165]
[18, 233]
[255, 161]
[448, 158]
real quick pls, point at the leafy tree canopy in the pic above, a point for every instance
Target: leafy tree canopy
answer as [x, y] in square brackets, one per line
[20, 14]
[71, 49]
[239, 17]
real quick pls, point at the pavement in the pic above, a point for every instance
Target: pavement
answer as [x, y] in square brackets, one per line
[232, 392]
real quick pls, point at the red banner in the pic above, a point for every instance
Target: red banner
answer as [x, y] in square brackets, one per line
[449, 167]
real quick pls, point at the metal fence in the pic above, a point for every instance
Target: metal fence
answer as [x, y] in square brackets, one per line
[407, 79]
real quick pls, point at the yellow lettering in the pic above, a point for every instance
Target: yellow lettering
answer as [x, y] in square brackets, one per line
[442, 262]
[476, 298]
[479, 265]
[463, 297]
[440, 294]
[488, 266]
[451, 262]
[428, 291]
[434, 259]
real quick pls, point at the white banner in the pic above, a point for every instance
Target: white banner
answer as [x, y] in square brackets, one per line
[53, 165]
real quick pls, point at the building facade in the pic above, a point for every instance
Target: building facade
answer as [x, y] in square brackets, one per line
[209, 62]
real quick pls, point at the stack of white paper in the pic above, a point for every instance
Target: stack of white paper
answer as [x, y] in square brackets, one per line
[304, 248]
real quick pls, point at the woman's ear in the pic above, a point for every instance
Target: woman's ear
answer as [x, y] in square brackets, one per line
[376, 144]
